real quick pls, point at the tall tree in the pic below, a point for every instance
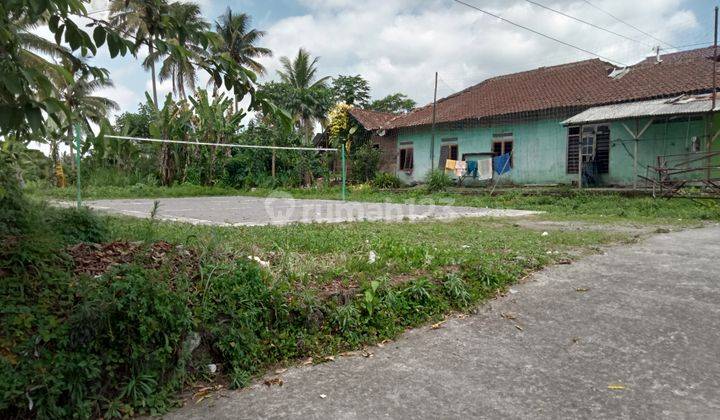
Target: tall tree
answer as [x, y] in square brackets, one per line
[177, 63]
[85, 108]
[239, 42]
[353, 90]
[396, 103]
[301, 75]
[142, 20]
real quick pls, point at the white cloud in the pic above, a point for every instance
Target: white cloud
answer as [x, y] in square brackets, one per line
[399, 44]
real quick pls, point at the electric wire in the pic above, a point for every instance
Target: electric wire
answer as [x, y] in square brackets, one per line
[588, 23]
[632, 26]
[540, 33]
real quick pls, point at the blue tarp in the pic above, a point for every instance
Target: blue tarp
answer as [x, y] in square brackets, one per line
[501, 164]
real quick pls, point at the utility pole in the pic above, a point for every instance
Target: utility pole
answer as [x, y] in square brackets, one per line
[432, 137]
[714, 95]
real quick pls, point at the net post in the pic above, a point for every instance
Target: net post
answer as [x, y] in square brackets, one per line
[344, 169]
[77, 165]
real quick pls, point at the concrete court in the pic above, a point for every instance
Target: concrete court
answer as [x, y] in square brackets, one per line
[631, 334]
[280, 210]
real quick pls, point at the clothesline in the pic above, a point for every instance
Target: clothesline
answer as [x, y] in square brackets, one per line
[481, 169]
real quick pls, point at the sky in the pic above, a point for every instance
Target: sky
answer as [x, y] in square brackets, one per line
[398, 45]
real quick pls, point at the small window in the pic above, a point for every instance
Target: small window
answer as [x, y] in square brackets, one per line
[501, 147]
[453, 152]
[406, 159]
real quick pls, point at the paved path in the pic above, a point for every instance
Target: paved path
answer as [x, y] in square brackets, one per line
[280, 210]
[649, 320]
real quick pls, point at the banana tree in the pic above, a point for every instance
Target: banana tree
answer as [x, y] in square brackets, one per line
[171, 122]
[215, 122]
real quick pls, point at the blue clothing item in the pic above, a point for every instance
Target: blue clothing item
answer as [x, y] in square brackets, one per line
[501, 164]
[472, 167]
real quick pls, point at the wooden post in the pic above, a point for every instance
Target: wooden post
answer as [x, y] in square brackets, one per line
[580, 142]
[273, 164]
[432, 137]
[714, 95]
[635, 154]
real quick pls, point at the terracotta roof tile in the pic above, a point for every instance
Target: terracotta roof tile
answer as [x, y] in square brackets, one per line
[579, 84]
[371, 120]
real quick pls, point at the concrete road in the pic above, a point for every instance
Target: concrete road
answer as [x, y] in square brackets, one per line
[633, 333]
[280, 209]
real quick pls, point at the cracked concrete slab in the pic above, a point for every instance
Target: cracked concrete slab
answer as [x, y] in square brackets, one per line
[280, 209]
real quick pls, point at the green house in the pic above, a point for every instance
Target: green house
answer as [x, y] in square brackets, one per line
[555, 122]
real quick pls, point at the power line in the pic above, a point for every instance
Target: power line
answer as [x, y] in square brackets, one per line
[541, 34]
[632, 26]
[587, 23]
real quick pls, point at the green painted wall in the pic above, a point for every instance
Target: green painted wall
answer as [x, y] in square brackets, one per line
[540, 147]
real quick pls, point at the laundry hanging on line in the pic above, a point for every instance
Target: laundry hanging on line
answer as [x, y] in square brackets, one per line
[472, 168]
[460, 168]
[450, 165]
[502, 164]
[485, 169]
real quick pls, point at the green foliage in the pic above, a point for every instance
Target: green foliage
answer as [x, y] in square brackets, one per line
[437, 181]
[352, 90]
[364, 163]
[385, 180]
[396, 103]
[77, 225]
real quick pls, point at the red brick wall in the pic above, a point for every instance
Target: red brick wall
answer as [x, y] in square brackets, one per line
[388, 150]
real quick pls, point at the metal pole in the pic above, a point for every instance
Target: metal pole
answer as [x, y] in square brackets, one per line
[77, 166]
[635, 152]
[714, 94]
[432, 137]
[342, 158]
[580, 142]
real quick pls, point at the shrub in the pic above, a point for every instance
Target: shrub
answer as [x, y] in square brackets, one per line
[77, 225]
[386, 180]
[101, 346]
[364, 163]
[437, 180]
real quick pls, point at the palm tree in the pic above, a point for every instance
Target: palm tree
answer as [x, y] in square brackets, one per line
[177, 64]
[142, 20]
[238, 40]
[85, 108]
[300, 74]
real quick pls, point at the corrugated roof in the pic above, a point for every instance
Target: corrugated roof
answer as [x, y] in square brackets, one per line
[580, 84]
[371, 120]
[682, 105]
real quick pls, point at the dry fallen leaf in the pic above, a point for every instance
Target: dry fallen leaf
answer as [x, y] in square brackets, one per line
[274, 381]
[582, 289]
[329, 359]
[616, 387]
[518, 327]
[437, 325]
[507, 315]
[366, 353]
[462, 316]
[279, 371]
[323, 396]
[308, 361]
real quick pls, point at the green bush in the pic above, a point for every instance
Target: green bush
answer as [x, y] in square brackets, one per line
[386, 180]
[437, 180]
[364, 163]
[77, 225]
[90, 347]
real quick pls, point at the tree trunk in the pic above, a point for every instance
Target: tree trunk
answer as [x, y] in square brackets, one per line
[151, 49]
[72, 147]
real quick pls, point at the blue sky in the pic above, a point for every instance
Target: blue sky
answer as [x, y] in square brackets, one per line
[398, 44]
